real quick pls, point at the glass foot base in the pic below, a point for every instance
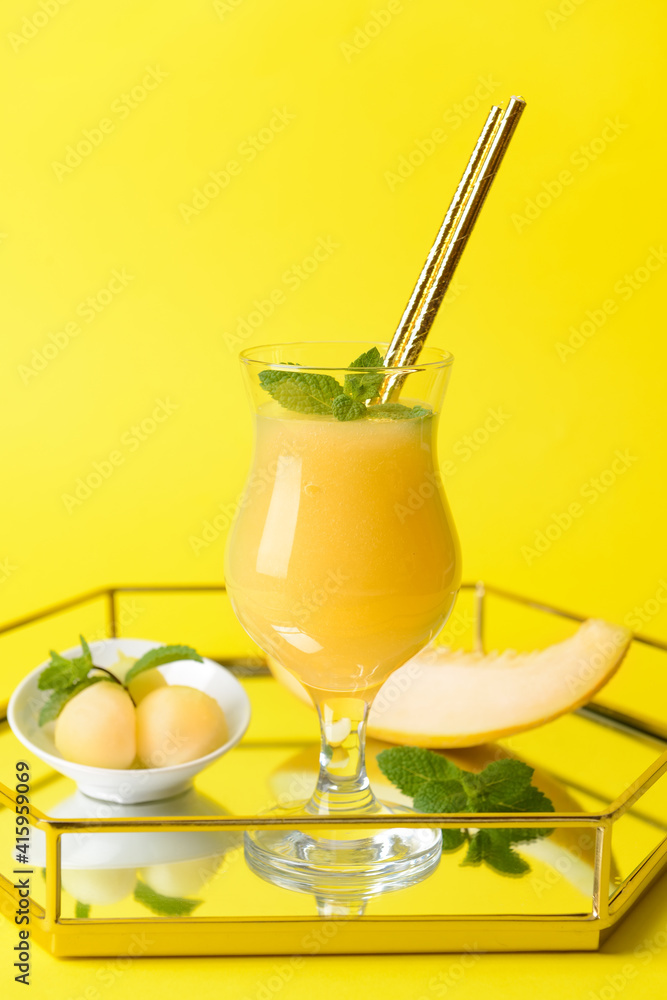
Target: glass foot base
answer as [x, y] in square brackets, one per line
[347, 866]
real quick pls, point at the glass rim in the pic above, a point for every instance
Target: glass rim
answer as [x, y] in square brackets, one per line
[444, 360]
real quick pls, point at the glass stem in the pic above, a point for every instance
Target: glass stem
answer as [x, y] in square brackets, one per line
[343, 784]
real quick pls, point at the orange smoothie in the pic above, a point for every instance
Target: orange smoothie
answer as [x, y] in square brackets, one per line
[343, 560]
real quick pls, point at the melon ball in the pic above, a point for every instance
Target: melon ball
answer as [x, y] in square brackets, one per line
[144, 683]
[99, 886]
[123, 664]
[182, 878]
[176, 724]
[98, 727]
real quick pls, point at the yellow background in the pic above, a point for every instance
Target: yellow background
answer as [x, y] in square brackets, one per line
[361, 99]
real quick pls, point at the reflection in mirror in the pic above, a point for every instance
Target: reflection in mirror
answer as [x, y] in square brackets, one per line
[164, 873]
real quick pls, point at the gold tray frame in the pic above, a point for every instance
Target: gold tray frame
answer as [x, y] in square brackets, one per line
[76, 937]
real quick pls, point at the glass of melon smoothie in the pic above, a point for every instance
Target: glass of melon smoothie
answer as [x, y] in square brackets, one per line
[342, 563]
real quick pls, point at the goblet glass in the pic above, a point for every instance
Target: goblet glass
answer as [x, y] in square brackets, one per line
[342, 563]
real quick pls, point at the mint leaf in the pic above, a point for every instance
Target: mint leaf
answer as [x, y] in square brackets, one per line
[304, 392]
[81, 910]
[164, 906]
[273, 376]
[162, 654]
[441, 797]
[310, 392]
[496, 852]
[396, 411]
[453, 839]
[505, 786]
[87, 655]
[409, 767]
[365, 385]
[345, 408]
[502, 784]
[62, 672]
[59, 698]
[533, 801]
[439, 786]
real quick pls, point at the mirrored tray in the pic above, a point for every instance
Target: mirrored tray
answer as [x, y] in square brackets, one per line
[169, 877]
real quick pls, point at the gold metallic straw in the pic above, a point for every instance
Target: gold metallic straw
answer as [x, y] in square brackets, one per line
[449, 243]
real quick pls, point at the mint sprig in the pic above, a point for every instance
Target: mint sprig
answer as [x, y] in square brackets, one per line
[62, 673]
[58, 699]
[164, 906]
[65, 678]
[309, 392]
[436, 785]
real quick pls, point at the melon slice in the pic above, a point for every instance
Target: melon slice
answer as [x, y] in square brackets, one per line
[443, 698]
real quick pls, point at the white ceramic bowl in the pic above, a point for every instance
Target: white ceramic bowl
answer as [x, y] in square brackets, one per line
[130, 785]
